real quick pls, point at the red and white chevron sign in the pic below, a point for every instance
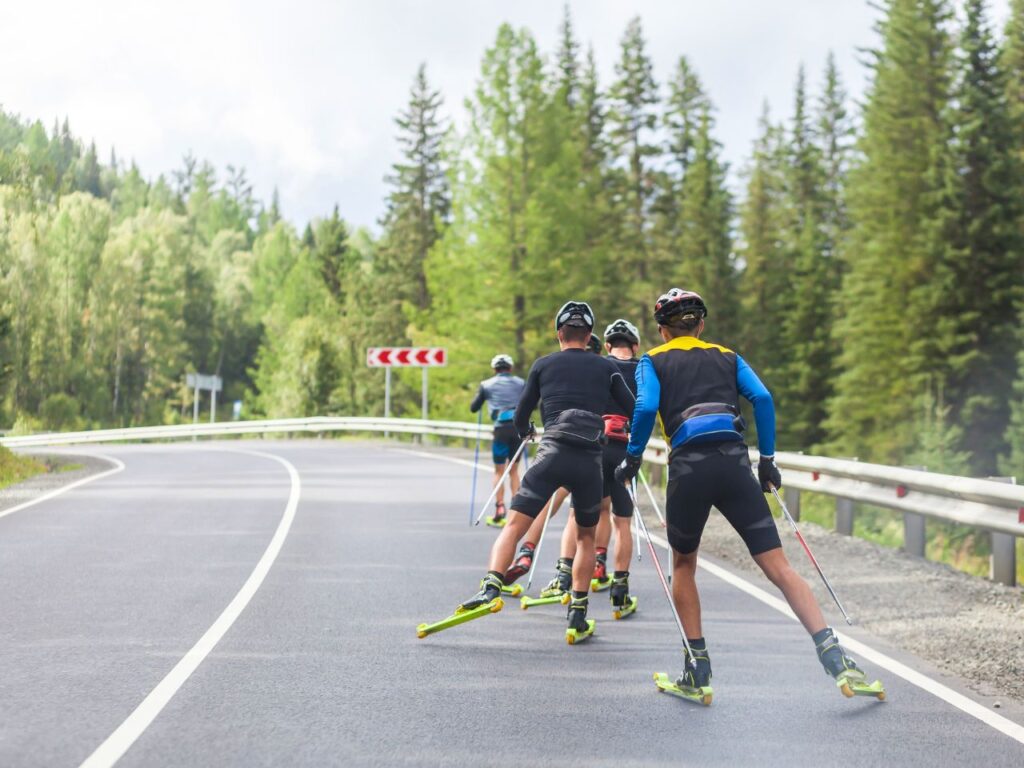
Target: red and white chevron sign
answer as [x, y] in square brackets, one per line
[406, 357]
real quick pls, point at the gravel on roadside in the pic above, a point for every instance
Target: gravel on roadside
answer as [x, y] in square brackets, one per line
[45, 482]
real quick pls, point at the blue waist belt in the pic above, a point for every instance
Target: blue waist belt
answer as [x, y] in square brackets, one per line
[505, 416]
[711, 427]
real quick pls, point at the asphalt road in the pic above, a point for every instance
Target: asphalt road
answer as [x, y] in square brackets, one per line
[107, 587]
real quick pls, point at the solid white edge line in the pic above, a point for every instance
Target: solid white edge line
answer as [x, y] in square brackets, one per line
[922, 681]
[114, 747]
[118, 467]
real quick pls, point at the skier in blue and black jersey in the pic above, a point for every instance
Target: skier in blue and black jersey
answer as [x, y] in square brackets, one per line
[695, 387]
[501, 392]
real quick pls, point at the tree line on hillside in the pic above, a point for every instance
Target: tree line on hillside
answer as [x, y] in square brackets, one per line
[870, 269]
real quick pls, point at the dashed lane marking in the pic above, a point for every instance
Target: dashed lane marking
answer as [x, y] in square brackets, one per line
[115, 746]
[912, 676]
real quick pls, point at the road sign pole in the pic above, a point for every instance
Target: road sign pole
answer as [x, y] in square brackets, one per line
[213, 405]
[425, 409]
[387, 393]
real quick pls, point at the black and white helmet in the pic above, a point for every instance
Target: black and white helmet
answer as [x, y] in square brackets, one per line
[622, 329]
[576, 313]
[502, 362]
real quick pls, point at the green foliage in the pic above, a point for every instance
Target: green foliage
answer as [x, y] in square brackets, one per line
[15, 468]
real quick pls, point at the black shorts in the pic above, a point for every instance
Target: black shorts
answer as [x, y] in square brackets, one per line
[562, 466]
[716, 475]
[613, 454]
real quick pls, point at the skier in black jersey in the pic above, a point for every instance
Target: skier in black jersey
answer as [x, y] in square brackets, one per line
[573, 388]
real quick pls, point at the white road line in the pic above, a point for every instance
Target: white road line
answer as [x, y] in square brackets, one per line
[118, 467]
[922, 681]
[111, 750]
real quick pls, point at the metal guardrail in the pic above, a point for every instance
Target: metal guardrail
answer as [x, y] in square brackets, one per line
[996, 507]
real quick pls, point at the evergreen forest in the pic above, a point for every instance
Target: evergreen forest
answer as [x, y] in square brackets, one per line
[867, 259]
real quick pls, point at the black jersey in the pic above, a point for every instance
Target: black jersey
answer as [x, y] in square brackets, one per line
[573, 379]
[628, 370]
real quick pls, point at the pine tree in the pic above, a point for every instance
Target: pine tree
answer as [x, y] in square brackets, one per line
[890, 330]
[1012, 462]
[985, 211]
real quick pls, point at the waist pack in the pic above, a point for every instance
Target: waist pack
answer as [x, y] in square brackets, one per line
[575, 427]
[501, 417]
[707, 422]
[616, 428]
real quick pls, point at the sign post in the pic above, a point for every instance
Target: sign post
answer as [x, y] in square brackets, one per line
[199, 382]
[406, 357]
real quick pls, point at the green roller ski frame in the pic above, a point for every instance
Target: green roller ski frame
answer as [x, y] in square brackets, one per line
[530, 602]
[622, 611]
[600, 585]
[698, 695]
[460, 617]
[496, 523]
[513, 590]
[854, 685]
[573, 636]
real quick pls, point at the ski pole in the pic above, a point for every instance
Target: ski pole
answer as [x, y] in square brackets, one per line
[636, 525]
[654, 503]
[501, 481]
[807, 549]
[476, 463]
[664, 583]
[540, 541]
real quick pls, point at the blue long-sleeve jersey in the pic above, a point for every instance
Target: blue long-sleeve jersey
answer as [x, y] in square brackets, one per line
[696, 372]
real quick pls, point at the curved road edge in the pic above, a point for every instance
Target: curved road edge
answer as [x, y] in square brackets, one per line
[118, 466]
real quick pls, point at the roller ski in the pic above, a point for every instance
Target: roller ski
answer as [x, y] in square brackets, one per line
[521, 565]
[849, 677]
[601, 580]
[623, 604]
[694, 682]
[486, 601]
[499, 518]
[557, 588]
[512, 590]
[580, 627]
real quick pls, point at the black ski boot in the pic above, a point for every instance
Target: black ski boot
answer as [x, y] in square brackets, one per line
[623, 604]
[696, 677]
[562, 583]
[600, 580]
[848, 676]
[580, 627]
[490, 588]
[522, 564]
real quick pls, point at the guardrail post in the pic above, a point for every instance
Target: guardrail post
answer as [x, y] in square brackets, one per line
[844, 516]
[1002, 564]
[914, 534]
[792, 498]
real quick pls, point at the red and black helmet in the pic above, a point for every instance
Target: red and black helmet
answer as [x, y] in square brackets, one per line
[676, 302]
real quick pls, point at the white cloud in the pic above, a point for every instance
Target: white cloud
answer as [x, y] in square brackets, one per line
[303, 93]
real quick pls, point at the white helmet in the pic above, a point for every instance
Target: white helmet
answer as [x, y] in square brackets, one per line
[622, 329]
[501, 361]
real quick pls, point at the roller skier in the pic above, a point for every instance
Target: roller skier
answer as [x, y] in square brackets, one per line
[501, 393]
[622, 341]
[695, 387]
[572, 388]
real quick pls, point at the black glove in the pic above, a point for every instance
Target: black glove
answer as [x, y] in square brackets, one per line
[530, 433]
[768, 474]
[628, 469]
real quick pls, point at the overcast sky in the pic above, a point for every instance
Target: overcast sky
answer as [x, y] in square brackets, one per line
[302, 92]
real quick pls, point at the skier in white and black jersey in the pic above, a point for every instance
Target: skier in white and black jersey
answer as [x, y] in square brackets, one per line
[572, 387]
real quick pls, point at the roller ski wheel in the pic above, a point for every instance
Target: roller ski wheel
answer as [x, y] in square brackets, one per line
[573, 635]
[600, 585]
[530, 602]
[665, 684]
[855, 685]
[512, 590]
[461, 616]
[622, 611]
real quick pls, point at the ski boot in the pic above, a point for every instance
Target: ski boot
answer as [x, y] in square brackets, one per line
[623, 604]
[848, 676]
[498, 519]
[694, 682]
[601, 580]
[556, 589]
[580, 627]
[485, 601]
[522, 564]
